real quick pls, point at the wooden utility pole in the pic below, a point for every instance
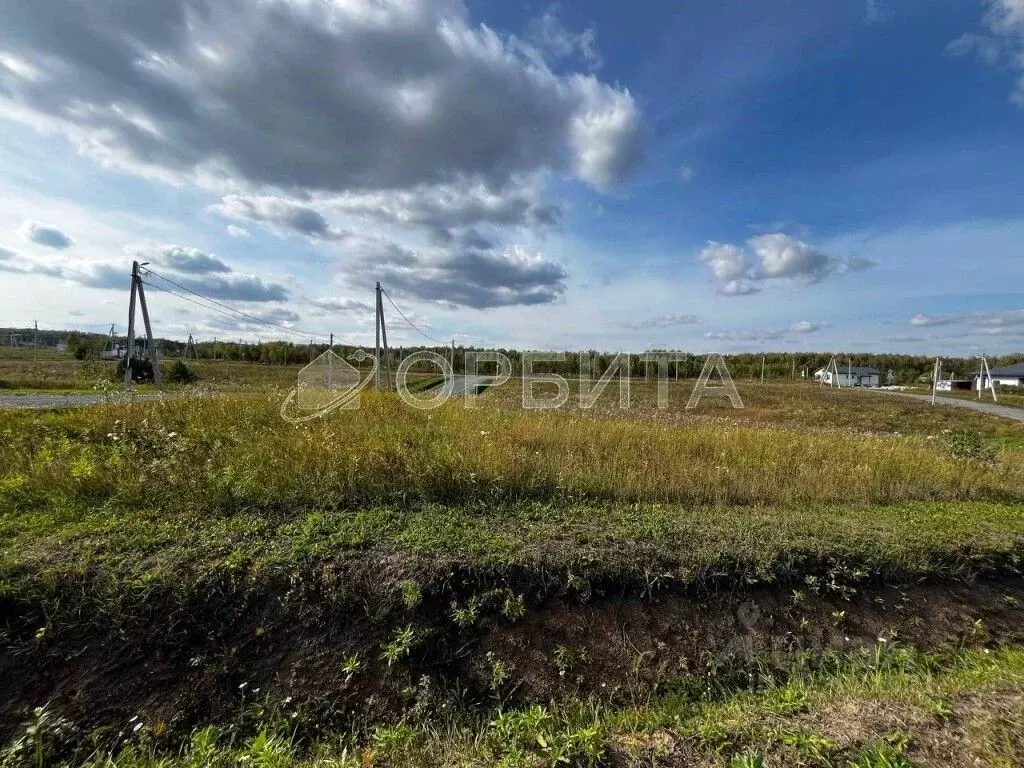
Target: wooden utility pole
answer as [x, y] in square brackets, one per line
[935, 379]
[762, 369]
[140, 292]
[384, 339]
[453, 356]
[376, 371]
[330, 365]
[35, 342]
[985, 374]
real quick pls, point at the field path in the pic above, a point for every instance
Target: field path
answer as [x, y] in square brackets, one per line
[59, 401]
[1017, 414]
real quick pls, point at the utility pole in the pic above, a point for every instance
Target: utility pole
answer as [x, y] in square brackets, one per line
[762, 369]
[986, 375]
[453, 356]
[35, 343]
[384, 338]
[140, 292]
[376, 371]
[935, 379]
[330, 366]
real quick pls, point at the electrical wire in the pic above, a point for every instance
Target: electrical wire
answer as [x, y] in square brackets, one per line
[410, 322]
[208, 307]
[234, 313]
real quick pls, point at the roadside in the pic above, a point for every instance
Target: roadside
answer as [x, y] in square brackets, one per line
[1007, 411]
[67, 401]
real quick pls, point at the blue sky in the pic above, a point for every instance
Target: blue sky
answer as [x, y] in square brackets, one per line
[728, 176]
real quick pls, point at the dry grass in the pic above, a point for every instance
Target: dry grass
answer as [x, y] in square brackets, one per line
[236, 451]
[798, 404]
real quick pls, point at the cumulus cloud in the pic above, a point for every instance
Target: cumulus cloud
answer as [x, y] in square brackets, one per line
[44, 234]
[1002, 44]
[179, 258]
[280, 214]
[236, 231]
[663, 321]
[783, 256]
[230, 286]
[777, 256]
[726, 262]
[476, 279]
[450, 211]
[358, 95]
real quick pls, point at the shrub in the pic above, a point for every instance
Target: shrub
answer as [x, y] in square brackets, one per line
[180, 373]
[971, 446]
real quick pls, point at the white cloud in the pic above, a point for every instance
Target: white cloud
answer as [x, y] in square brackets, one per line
[805, 326]
[987, 322]
[236, 231]
[778, 257]
[549, 35]
[739, 288]
[45, 234]
[783, 256]
[726, 262]
[178, 258]
[1002, 44]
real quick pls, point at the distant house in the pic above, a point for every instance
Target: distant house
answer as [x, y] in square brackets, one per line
[1007, 376]
[849, 376]
[949, 385]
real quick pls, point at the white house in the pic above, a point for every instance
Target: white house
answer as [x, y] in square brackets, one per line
[849, 376]
[1007, 376]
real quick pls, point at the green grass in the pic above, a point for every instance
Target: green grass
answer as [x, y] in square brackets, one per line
[198, 480]
[225, 454]
[104, 510]
[884, 709]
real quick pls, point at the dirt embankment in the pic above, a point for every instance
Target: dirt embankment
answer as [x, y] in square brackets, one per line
[355, 644]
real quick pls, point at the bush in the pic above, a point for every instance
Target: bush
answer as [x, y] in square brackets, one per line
[180, 373]
[971, 446]
[142, 370]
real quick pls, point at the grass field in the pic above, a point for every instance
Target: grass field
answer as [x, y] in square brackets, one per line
[196, 581]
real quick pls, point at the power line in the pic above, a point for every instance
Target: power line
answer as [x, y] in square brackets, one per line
[410, 322]
[236, 313]
[297, 334]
